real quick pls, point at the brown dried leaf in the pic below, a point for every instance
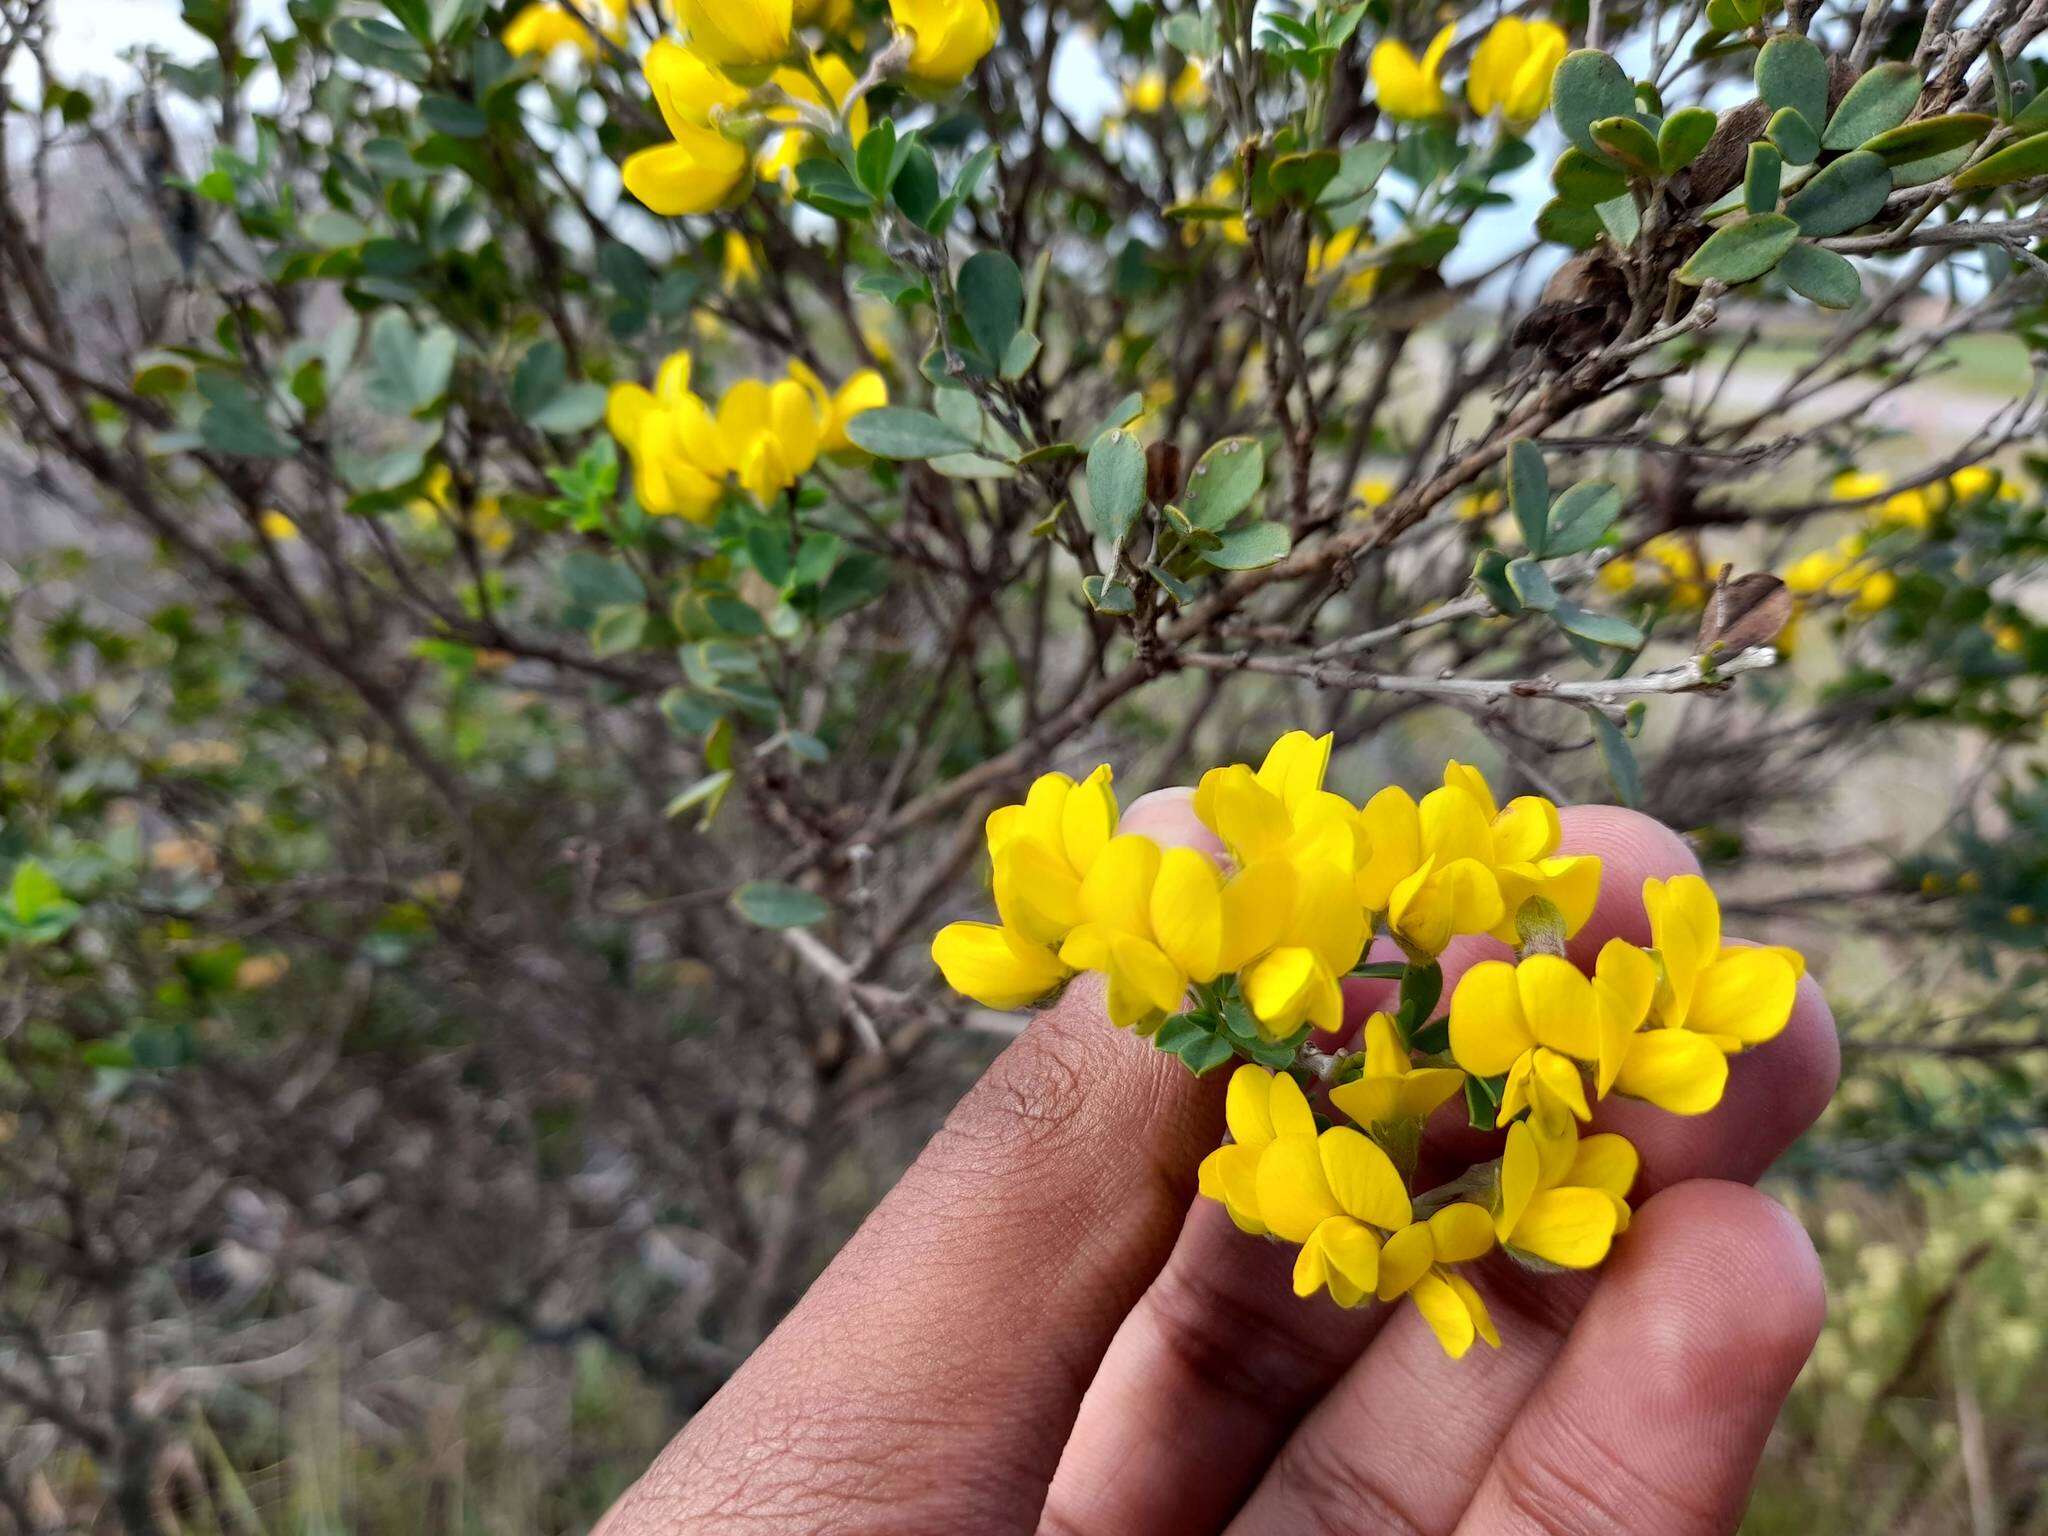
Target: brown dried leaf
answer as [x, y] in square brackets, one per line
[1748, 611]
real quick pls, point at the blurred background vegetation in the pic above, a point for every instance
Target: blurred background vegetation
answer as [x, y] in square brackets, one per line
[461, 936]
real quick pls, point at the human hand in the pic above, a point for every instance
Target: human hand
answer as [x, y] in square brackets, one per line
[1035, 1332]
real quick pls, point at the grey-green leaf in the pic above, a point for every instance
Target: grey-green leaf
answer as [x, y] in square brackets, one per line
[1250, 547]
[1116, 484]
[1587, 179]
[1794, 136]
[1568, 224]
[991, 302]
[1740, 252]
[1842, 194]
[1225, 480]
[1600, 628]
[1826, 277]
[1531, 585]
[1620, 758]
[1685, 133]
[902, 432]
[1930, 136]
[2016, 162]
[1622, 219]
[1877, 103]
[1791, 71]
[1107, 596]
[770, 904]
[1764, 177]
[1529, 493]
[1628, 141]
[1580, 518]
[1589, 86]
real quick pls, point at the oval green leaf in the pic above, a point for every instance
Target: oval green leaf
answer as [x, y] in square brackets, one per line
[1116, 484]
[1589, 86]
[2016, 162]
[1884, 98]
[1794, 136]
[1791, 71]
[991, 302]
[1762, 180]
[1225, 480]
[1825, 277]
[1685, 133]
[770, 904]
[1929, 137]
[1250, 547]
[1741, 252]
[1843, 194]
[901, 432]
[1586, 179]
[1629, 142]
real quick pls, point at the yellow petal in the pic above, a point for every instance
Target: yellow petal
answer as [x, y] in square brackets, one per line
[695, 174]
[1422, 1090]
[1557, 1000]
[1117, 891]
[1406, 1259]
[1247, 1106]
[1088, 818]
[995, 968]
[1624, 983]
[1187, 912]
[1446, 1312]
[1391, 825]
[1243, 812]
[1454, 826]
[1328, 918]
[1141, 972]
[1520, 1167]
[1475, 1305]
[1352, 1252]
[1745, 993]
[686, 89]
[1685, 930]
[1608, 1163]
[1294, 767]
[1368, 1100]
[1488, 1030]
[1035, 891]
[1257, 902]
[1569, 1227]
[1294, 1198]
[742, 35]
[1526, 831]
[1281, 988]
[1229, 1175]
[1461, 1232]
[1674, 1069]
[1363, 1179]
[1289, 1108]
[1559, 1089]
[1464, 776]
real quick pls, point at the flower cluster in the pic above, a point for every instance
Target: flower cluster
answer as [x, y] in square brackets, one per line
[1245, 956]
[744, 76]
[1511, 73]
[762, 436]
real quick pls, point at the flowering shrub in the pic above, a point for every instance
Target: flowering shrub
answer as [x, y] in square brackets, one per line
[1243, 958]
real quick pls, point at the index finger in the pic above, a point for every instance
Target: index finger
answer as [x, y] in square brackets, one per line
[930, 1377]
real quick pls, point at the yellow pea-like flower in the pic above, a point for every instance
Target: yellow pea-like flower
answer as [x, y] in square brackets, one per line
[698, 173]
[995, 966]
[1407, 88]
[948, 37]
[1260, 1107]
[1562, 1199]
[1415, 1263]
[779, 163]
[1513, 67]
[1281, 811]
[687, 90]
[745, 38]
[1523, 840]
[1334, 1196]
[1392, 1088]
[542, 28]
[1323, 932]
[1735, 997]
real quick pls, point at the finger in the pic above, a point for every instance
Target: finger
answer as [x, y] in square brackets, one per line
[1654, 1415]
[929, 1378]
[1425, 1468]
[1220, 1359]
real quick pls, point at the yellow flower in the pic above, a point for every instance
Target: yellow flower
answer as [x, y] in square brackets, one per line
[1041, 851]
[1328, 257]
[745, 38]
[740, 267]
[659, 431]
[1189, 88]
[1857, 485]
[1335, 1196]
[1147, 93]
[1621, 574]
[994, 966]
[1392, 1088]
[1905, 509]
[1735, 998]
[2020, 915]
[1539, 1020]
[1409, 90]
[1260, 1108]
[1282, 811]
[1370, 494]
[542, 28]
[688, 91]
[865, 391]
[1977, 481]
[1815, 572]
[1523, 842]
[779, 163]
[1513, 67]
[948, 37]
[1412, 1264]
[1475, 506]
[2009, 638]
[1561, 1201]
[276, 526]
[699, 172]
[1298, 979]
[1875, 592]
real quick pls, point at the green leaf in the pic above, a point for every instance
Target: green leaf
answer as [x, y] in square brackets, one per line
[1531, 585]
[875, 161]
[1629, 142]
[1685, 133]
[1600, 628]
[2016, 162]
[1107, 596]
[2032, 118]
[991, 302]
[1206, 1055]
[1588, 87]
[1303, 177]
[1765, 175]
[770, 904]
[1529, 493]
[1587, 179]
[1568, 224]
[1791, 71]
[1918, 173]
[902, 432]
[1794, 135]
[825, 185]
[235, 422]
[1737, 253]
[1490, 575]
[1877, 103]
[1622, 219]
[709, 792]
[1929, 137]
[1251, 547]
[1482, 1101]
[576, 409]
[33, 892]
[1224, 481]
[1842, 194]
[1360, 168]
[1116, 485]
[409, 369]
[1826, 277]
[1181, 593]
[1580, 518]
[618, 628]
[1422, 988]
[1620, 759]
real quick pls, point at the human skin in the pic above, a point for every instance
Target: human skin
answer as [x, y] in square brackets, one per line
[1035, 1331]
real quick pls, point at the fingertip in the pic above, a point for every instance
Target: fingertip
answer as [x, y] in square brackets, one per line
[1167, 816]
